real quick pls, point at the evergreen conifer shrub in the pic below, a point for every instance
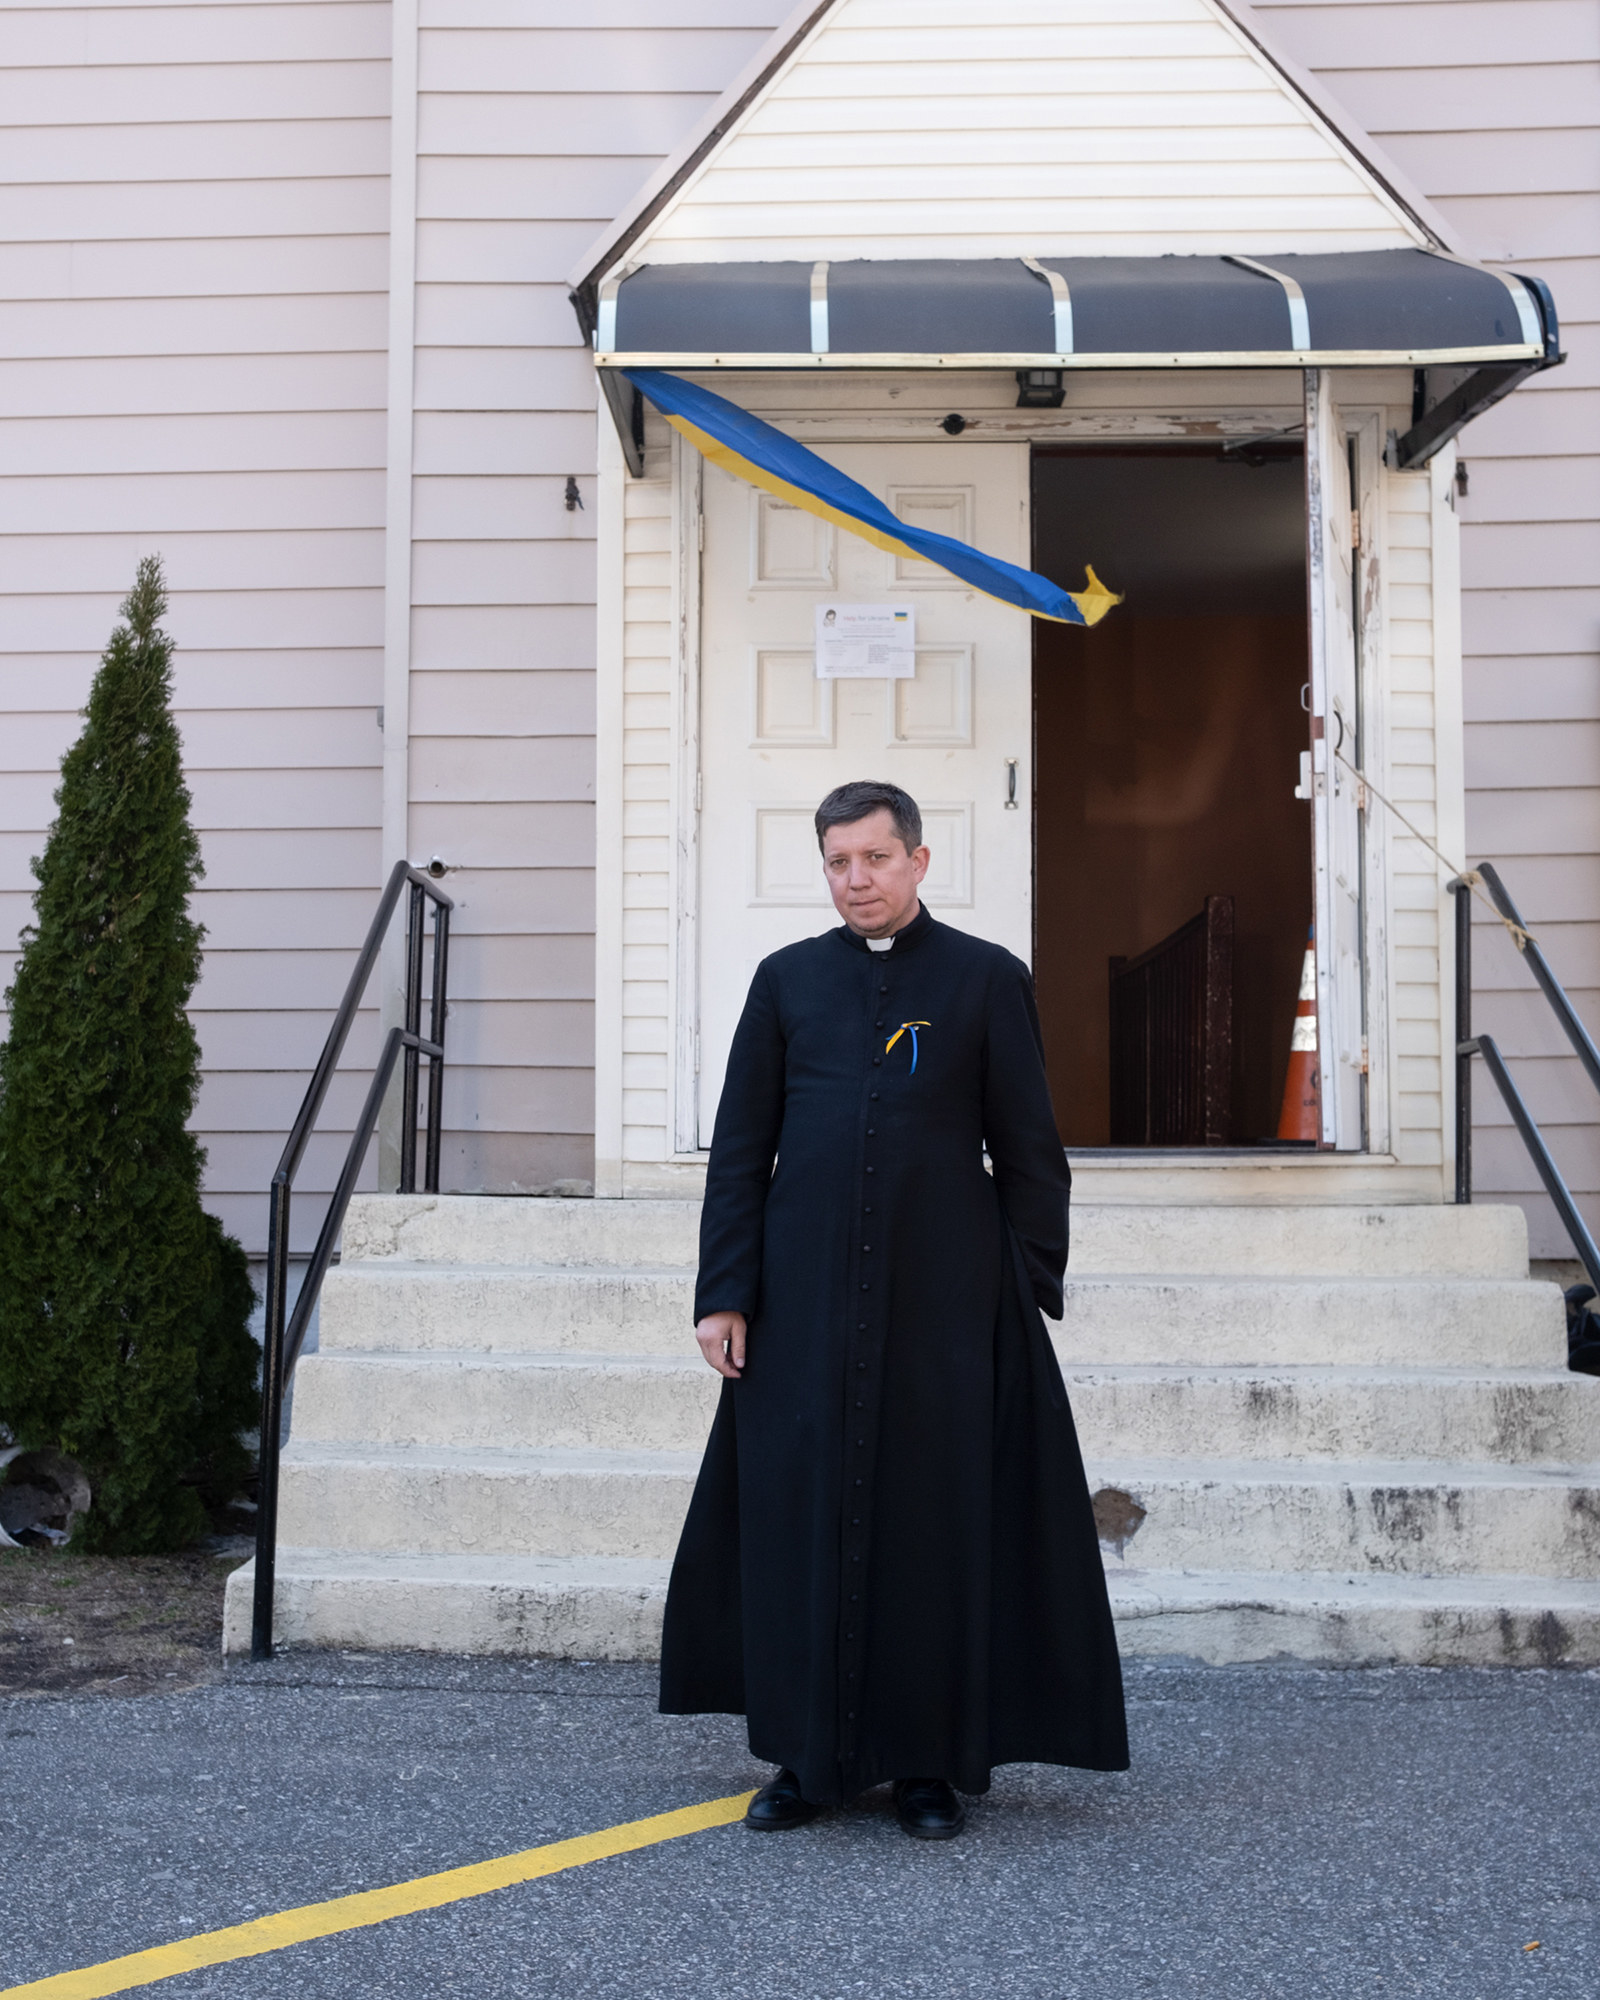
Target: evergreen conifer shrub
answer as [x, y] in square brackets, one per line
[124, 1308]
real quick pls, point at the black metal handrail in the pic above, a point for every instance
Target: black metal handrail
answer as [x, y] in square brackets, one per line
[285, 1332]
[1469, 1045]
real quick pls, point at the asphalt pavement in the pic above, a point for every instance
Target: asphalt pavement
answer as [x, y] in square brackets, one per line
[1283, 1831]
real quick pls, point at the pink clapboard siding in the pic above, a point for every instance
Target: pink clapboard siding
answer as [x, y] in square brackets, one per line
[193, 303]
[536, 124]
[194, 269]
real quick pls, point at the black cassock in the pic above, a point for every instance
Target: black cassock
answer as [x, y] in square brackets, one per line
[890, 1564]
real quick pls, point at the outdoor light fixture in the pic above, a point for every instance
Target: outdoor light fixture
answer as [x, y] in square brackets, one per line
[1040, 389]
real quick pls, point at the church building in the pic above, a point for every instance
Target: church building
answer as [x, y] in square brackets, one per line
[378, 321]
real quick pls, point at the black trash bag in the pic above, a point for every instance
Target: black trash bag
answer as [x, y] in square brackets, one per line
[1583, 1330]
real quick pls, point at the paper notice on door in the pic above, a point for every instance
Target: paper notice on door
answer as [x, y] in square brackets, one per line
[866, 642]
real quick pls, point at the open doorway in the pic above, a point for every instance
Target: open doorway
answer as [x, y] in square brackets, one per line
[1167, 751]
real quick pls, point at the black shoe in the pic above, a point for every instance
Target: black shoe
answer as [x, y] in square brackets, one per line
[779, 1805]
[928, 1808]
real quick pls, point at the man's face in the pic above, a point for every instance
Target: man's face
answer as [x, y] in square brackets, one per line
[872, 876]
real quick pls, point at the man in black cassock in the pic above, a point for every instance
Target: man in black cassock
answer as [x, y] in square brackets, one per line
[890, 1563]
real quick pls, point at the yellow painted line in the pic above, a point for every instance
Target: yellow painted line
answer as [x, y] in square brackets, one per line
[373, 1906]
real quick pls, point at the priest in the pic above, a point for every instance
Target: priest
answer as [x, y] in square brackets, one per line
[890, 1564]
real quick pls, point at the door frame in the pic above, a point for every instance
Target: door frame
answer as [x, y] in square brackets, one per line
[1360, 434]
[1362, 430]
[1364, 426]
[809, 416]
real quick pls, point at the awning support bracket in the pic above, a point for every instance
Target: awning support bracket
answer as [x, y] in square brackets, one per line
[627, 413]
[1436, 419]
[1440, 421]
[597, 315]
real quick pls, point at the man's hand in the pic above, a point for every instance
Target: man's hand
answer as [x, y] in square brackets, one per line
[721, 1338]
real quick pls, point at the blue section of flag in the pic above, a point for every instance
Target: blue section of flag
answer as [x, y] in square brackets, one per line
[754, 450]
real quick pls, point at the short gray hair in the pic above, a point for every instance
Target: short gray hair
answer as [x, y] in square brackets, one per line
[862, 797]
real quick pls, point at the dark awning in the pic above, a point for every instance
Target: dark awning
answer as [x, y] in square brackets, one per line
[1412, 308]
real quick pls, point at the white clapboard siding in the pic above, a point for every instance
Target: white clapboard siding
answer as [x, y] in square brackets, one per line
[1493, 108]
[910, 128]
[537, 123]
[193, 318]
[649, 804]
[1416, 1032]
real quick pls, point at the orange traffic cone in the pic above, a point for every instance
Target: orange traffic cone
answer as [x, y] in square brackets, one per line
[1301, 1116]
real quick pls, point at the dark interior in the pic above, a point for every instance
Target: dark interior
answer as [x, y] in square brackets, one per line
[1167, 746]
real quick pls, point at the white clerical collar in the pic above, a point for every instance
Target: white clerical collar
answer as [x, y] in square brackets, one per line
[880, 944]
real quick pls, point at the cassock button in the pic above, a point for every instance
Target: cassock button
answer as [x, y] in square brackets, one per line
[855, 1559]
[858, 1482]
[861, 1327]
[874, 1096]
[854, 1599]
[871, 1170]
[861, 1444]
[865, 1286]
[855, 1520]
[877, 1062]
[884, 987]
[849, 1715]
[866, 1249]
[861, 1364]
[872, 1133]
[859, 1404]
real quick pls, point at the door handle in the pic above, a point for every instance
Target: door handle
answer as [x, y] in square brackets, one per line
[1011, 784]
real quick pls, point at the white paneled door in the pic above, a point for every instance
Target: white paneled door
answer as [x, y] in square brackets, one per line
[774, 739]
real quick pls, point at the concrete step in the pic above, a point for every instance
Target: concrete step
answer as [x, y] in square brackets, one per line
[1227, 1617]
[1168, 1239]
[1183, 1513]
[1297, 1242]
[601, 1402]
[1402, 1516]
[665, 1403]
[562, 1607]
[516, 1229]
[438, 1500]
[1543, 1417]
[391, 1305]
[531, 1309]
[610, 1609]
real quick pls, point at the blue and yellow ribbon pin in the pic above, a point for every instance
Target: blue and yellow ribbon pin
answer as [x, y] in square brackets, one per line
[907, 1028]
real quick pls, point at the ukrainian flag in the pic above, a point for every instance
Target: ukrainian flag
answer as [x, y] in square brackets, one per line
[754, 451]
